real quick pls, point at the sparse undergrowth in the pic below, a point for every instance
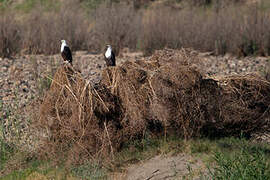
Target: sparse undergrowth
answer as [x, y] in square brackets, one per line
[241, 160]
[226, 158]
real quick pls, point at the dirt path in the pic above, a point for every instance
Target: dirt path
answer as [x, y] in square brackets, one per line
[164, 167]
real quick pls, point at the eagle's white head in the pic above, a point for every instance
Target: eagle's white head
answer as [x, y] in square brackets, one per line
[109, 46]
[63, 45]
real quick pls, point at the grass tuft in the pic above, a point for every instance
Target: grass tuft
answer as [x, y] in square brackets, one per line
[89, 171]
[240, 159]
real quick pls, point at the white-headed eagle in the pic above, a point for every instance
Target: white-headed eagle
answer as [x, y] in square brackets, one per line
[65, 52]
[109, 56]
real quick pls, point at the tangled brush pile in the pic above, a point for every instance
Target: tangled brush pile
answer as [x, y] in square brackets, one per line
[163, 95]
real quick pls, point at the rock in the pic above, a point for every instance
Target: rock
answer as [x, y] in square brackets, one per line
[25, 90]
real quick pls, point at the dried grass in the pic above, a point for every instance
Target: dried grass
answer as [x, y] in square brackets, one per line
[42, 32]
[163, 95]
[118, 25]
[10, 39]
[224, 27]
[75, 115]
[245, 104]
[241, 30]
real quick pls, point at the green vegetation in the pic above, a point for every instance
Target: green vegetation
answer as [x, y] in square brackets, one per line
[265, 5]
[89, 171]
[233, 158]
[5, 153]
[241, 165]
[91, 4]
[241, 160]
[28, 5]
[1, 120]
[226, 158]
[4, 4]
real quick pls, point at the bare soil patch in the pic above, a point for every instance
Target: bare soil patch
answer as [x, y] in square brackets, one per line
[159, 167]
[164, 167]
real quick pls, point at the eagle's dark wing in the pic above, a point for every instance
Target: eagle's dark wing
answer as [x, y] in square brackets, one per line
[112, 59]
[67, 55]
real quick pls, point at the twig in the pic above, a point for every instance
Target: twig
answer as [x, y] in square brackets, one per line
[153, 174]
[101, 100]
[56, 109]
[109, 140]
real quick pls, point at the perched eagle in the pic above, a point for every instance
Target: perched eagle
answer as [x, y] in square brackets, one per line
[65, 52]
[109, 56]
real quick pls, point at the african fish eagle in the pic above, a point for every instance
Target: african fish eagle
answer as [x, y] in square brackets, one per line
[65, 52]
[109, 56]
